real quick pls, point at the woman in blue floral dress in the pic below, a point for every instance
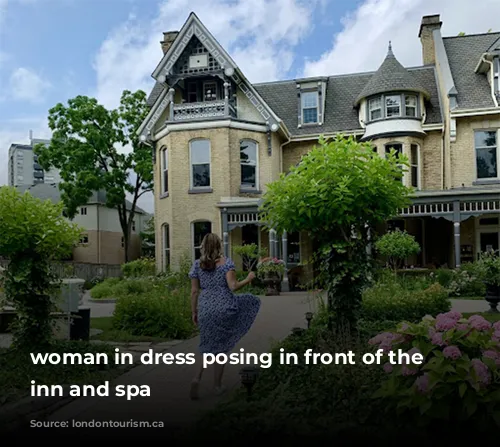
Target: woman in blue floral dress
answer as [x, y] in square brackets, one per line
[223, 318]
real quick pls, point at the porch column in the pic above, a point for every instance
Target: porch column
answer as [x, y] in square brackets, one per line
[226, 98]
[456, 232]
[171, 94]
[225, 232]
[285, 287]
[272, 243]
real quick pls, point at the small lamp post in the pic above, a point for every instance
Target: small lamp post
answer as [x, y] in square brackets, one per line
[248, 379]
[309, 317]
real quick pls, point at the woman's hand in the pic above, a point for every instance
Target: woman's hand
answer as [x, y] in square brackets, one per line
[251, 277]
[195, 318]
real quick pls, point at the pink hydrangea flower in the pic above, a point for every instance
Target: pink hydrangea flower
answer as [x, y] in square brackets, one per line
[445, 323]
[480, 323]
[452, 352]
[462, 327]
[496, 325]
[482, 371]
[408, 371]
[496, 336]
[381, 338]
[454, 315]
[386, 345]
[388, 368]
[437, 339]
[493, 355]
[422, 383]
[431, 332]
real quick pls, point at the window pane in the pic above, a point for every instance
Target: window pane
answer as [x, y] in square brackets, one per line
[200, 229]
[486, 160]
[165, 181]
[248, 176]
[309, 100]
[376, 114]
[375, 103]
[200, 151]
[310, 116]
[485, 138]
[414, 176]
[411, 101]
[393, 104]
[396, 147]
[248, 153]
[201, 175]
[414, 154]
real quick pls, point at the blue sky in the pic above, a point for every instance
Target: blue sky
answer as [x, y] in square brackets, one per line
[52, 50]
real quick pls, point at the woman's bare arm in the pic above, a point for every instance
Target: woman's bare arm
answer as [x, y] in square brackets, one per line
[235, 285]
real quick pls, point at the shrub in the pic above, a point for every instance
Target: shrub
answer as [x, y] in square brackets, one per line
[459, 379]
[139, 268]
[105, 289]
[390, 301]
[396, 246]
[160, 313]
[489, 269]
[467, 281]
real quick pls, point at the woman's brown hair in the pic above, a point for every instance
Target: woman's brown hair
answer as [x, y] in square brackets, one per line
[211, 251]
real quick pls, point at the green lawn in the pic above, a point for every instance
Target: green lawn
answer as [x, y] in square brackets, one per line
[105, 324]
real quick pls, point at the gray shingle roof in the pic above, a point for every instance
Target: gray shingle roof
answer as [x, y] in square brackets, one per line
[153, 96]
[391, 76]
[341, 94]
[464, 53]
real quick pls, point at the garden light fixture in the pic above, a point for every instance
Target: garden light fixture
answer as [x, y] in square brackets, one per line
[309, 317]
[248, 378]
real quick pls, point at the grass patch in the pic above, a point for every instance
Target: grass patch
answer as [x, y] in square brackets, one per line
[109, 333]
[17, 370]
[475, 298]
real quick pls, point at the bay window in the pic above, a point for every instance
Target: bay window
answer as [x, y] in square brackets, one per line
[393, 106]
[410, 105]
[486, 147]
[375, 108]
[200, 163]
[248, 163]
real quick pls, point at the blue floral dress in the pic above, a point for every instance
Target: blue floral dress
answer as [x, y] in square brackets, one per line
[223, 317]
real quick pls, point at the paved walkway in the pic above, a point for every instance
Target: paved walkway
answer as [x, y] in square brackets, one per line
[98, 309]
[169, 385]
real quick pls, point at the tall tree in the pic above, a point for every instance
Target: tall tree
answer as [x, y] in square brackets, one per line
[339, 192]
[85, 147]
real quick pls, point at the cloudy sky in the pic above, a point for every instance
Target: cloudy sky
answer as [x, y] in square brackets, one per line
[52, 50]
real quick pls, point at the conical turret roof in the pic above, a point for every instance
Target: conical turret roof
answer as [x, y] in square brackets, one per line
[391, 77]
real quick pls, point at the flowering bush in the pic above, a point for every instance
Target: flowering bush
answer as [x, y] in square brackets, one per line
[459, 378]
[270, 266]
[489, 268]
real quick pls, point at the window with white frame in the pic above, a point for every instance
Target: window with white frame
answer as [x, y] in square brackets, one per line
[200, 163]
[166, 246]
[248, 162]
[310, 104]
[392, 105]
[199, 230]
[83, 211]
[410, 105]
[164, 170]
[375, 108]
[84, 239]
[133, 225]
[415, 166]
[486, 147]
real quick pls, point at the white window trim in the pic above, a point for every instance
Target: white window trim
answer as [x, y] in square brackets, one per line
[83, 211]
[83, 235]
[193, 248]
[370, 110]
[257, 170]
[163, 162]
[191, 180]
[486, 179]
[411, 107]
[400, 107]
[302, 108]
[419, 167]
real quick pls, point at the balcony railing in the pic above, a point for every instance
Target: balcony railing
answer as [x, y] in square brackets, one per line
[202, 110]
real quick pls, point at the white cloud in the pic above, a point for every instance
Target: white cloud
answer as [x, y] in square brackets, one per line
[26, 85]
[260, 44]
[362, 43]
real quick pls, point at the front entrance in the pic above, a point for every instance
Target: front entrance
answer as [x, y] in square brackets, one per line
[250, 235]
[488, 234]
[489, 241]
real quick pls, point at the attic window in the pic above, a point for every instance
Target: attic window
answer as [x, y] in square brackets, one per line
[310, 104]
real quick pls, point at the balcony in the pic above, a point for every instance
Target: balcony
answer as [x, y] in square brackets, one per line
[201, 111]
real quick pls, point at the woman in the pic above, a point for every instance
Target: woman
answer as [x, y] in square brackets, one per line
[223, 318]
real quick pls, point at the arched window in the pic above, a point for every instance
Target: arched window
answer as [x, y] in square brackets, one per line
[199, 230]
[199, 155]
[249, 151]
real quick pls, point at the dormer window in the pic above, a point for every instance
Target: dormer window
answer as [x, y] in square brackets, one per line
[393, 106]
[310, 107]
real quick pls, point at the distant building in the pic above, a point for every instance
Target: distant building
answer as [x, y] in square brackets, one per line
[101, 242]
[24, 168]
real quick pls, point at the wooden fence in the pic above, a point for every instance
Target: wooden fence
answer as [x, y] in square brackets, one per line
[82, 270]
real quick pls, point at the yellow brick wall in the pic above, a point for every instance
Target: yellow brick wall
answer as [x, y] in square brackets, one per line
[463, 156]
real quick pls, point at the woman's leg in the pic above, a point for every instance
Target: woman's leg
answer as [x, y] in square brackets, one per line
[195, 384]
[218, 373]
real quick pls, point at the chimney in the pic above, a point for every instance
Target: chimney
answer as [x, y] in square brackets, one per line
[427, 26]
[168, 40]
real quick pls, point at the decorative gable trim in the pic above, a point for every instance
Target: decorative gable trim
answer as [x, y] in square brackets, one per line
[145, 129]
[194, 27]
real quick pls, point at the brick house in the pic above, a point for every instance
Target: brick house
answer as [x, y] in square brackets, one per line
[218, 140]
[101, 242]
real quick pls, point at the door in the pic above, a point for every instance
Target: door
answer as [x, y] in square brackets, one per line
[489, 241]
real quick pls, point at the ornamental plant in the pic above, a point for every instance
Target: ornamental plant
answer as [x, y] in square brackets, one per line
[397, 246]
[270, 266]
[459, 378]
[489, 268]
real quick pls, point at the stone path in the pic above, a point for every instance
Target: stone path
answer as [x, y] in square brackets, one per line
[170, 384]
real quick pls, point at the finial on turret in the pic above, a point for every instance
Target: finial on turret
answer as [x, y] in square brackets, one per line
[389, 52]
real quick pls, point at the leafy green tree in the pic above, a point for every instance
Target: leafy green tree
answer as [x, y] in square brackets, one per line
[250, 255]
[84, 147]
[34, 234]
[338, 192]
[397, 246]
[148, 238]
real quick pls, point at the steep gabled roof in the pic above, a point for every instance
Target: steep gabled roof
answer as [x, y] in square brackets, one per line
[391, 76]
[464, 52]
